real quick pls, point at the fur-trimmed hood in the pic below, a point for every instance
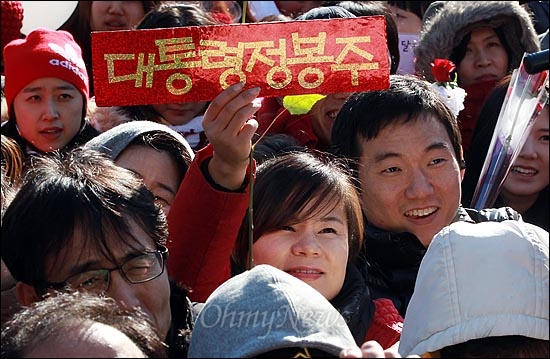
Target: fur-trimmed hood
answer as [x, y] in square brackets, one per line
[447, 22]
[105, 118]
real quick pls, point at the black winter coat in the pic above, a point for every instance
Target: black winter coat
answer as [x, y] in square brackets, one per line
[390, 261]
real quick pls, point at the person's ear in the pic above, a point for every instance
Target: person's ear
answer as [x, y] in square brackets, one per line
[26, 294]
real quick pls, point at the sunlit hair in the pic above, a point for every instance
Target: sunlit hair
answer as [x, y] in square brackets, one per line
[365, 114]
[55, 317]
[12, 170]
[12, 159]
[80, 193]
[168, 15]
[295, 187]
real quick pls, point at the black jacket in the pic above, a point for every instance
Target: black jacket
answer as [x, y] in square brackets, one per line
[9, 129]
[390, 261]
[184, 314]
[355, 304]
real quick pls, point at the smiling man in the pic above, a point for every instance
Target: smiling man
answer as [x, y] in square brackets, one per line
[407, 154]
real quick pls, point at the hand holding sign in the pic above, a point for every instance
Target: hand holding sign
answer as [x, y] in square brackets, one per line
[229, 128]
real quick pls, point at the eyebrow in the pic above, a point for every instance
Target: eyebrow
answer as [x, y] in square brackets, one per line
[95, 264]
[332, 219]
[491, 36]
[434, 146]
[38, 88]
[166, 187]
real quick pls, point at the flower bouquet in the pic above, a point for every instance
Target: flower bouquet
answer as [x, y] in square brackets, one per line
[524, 100]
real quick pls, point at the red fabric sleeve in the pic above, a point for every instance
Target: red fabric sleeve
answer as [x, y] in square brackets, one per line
[297, 126]
[386, 325]
[203, 224]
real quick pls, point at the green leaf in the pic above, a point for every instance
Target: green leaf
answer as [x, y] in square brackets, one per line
[301, 104]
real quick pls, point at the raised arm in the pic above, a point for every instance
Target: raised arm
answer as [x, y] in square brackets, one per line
[213, 198]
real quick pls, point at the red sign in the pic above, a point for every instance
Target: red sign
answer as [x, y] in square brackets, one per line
[195, 63]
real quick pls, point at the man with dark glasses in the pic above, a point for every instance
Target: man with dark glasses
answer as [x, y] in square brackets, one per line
[81, 223]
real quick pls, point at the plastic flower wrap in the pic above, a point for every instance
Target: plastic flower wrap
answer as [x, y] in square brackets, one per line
[449, 90]
[525, 98]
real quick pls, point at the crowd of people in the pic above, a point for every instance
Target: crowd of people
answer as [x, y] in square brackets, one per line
[233, 228]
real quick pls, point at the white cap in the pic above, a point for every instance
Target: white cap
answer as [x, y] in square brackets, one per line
[479, 280]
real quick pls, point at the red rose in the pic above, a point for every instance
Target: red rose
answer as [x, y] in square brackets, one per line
[441, 69]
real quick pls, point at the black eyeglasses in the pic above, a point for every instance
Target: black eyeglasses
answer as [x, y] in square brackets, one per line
[140, 269]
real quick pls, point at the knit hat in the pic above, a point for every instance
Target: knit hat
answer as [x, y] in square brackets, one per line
[479, 280]
[263, 310]
[112, 142]
[44, 53]
[446, 23]
[12, 21]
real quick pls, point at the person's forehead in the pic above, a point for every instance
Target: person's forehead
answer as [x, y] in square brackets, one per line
[43, 83]
[92, 339]
[138, 151]
[414, 124]
[399, 134]
[83, 252]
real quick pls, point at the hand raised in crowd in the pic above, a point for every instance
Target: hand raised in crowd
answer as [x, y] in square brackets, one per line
[229, 128]
[371, 349]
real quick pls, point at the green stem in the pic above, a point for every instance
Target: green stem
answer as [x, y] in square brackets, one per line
[251, 191]
[243, 19]
[251, 209]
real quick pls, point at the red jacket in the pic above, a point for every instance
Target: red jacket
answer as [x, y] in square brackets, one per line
[386, 325]
[203, 224]
[476, 95]
[297, 126]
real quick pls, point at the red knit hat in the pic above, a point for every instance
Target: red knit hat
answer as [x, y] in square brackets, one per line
[44, 53]
[12, 21]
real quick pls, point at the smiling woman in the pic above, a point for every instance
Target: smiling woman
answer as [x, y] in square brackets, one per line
[308, 223]
[526, 187]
